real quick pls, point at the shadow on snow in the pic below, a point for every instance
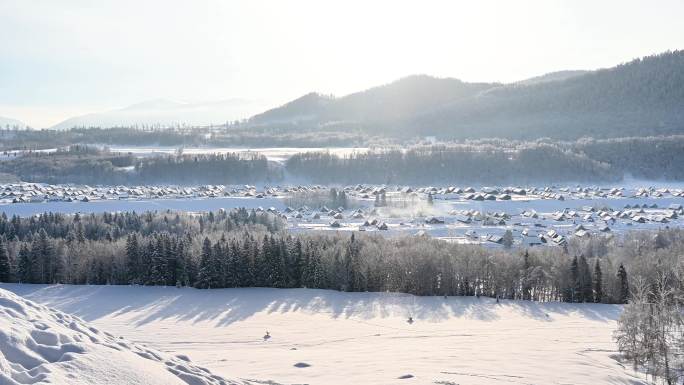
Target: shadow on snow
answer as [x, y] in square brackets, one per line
[226, 306]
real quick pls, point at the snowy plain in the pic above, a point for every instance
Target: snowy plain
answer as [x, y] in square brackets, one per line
[327, 337]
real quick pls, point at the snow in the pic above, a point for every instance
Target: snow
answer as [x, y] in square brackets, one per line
[274, 154]
[43, 345]
[328, 337]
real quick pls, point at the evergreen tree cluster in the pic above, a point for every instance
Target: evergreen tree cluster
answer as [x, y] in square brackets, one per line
[245, 248]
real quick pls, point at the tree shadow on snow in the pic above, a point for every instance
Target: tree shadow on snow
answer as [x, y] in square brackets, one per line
[226, 306]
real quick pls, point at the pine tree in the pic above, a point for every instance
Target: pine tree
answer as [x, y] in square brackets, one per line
[598, 282]
[297, 263]
[158, 263]
[231, 261]
[526, 288]
[5, 267]
[218, 269]
[623, 289]
[342, 199]
[316, 274]
[585, 280]
[42, 258]
[26, 274]
[133, 259]
[507, 239]
[349, 268]
[182, 278]
[170, 261]
[575, 288]
[146, 256]
[80, 236]
[333, 197]
[204, 275]
[246, 263]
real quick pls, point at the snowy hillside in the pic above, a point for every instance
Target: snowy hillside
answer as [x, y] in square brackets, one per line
[327, 337]
[167, 113]
[41, 345]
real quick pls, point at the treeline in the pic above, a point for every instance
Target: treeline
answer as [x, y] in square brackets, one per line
[463, 163]
[500, 162]
[646, 158]
[246, 248]
[230, 168]
[230, 134]
[316, 199]
[650, 330]
[90, 165]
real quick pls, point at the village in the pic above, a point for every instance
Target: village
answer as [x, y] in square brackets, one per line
[491, 216]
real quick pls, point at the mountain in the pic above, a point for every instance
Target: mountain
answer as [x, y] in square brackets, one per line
[392, 102]
[301, 109]
[163, 112]
[639, 98]
[553, 77]
[5, 122]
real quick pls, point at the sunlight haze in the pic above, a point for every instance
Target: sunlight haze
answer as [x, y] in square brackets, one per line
[58, 59]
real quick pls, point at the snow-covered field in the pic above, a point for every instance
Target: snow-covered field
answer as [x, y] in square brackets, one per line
[274, 154]
[326, 337]
[40, 345]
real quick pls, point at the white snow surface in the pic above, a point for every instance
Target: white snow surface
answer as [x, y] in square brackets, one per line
[328, 337]
[40, 345]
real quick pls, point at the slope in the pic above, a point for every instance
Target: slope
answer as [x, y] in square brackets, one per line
[42, 345]
[640, 98]
[643, 97]
[378, 105]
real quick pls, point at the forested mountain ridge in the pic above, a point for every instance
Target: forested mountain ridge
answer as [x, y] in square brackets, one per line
[553, 76]
[640, 98]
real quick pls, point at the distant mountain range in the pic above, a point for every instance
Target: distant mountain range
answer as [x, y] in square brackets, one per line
[9, 122]
[639, 98]
[164, 113]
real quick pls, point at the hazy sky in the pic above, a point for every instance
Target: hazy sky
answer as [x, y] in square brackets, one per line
[60, 58]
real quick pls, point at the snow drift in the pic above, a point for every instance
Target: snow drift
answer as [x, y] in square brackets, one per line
[43, 345]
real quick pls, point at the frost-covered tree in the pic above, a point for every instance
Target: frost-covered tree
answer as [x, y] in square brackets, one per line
[623, 288]
[598, 282]
[5, 265]
[204, 275]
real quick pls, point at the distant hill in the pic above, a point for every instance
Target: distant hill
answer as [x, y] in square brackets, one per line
[392, 102]
[163, 112]
[639, 98]
[9, 122]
